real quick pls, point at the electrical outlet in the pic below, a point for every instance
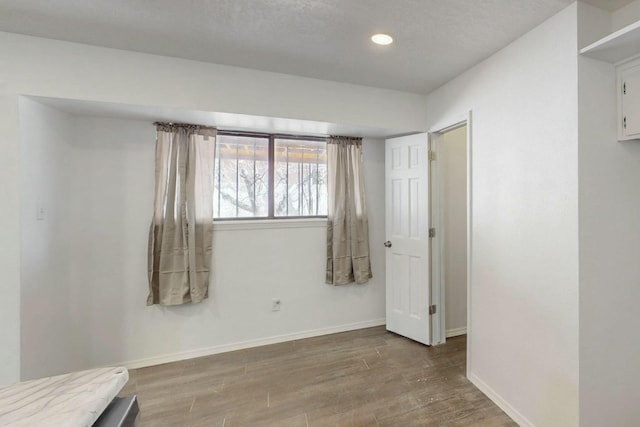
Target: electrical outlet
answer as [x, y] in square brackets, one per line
[275, 304]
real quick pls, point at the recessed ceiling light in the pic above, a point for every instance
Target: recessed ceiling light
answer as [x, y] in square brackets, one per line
[383, 39]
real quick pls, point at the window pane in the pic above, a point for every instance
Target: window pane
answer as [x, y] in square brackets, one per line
[241, 181]
[300, 187]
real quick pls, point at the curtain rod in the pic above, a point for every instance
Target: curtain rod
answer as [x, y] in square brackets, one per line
[266, 135]
[284, 135]
[257, 134]
[185, 125]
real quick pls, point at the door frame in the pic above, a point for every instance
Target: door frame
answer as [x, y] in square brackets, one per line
[437, 244]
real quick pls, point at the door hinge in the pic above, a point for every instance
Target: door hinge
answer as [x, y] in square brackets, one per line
[624, 122]
[432, 309]
[432, 232]
[432, 155]
[624, 88]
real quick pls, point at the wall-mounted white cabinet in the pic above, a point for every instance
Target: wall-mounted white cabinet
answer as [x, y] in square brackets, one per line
[622, 48]
[629, 101]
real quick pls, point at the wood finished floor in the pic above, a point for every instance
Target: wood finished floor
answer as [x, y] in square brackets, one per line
[368, 377]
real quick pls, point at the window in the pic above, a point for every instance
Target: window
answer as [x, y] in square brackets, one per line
[269, 176]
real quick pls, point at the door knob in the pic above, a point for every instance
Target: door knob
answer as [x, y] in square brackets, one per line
[387, 244]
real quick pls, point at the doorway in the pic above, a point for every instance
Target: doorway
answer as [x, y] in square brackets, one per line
[428, 233]
[449, 219]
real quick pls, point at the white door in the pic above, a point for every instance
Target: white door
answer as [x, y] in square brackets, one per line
[407, 235]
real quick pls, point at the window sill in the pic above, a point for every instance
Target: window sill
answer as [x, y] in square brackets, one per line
[268, 224]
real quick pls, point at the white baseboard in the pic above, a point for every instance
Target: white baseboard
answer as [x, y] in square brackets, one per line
[498, 400]
[207, 351]
[455, 332]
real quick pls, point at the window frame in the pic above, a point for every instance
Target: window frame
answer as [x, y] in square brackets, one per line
[271, 137]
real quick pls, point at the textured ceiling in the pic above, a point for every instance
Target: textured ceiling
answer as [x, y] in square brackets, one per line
[327, 39]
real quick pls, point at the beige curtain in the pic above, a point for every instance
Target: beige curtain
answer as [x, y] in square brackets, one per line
[180, 238]
[348, 225]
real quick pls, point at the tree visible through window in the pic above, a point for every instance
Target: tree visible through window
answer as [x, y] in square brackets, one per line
[268, 176]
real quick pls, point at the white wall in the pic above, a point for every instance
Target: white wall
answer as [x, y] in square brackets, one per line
[111, 198]
[10, 189]
[452, 160]
[42, 67]
[46, 345]
[597, 23]
[609, 251]
[524, 272]
[51, 68]
[625, 16]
